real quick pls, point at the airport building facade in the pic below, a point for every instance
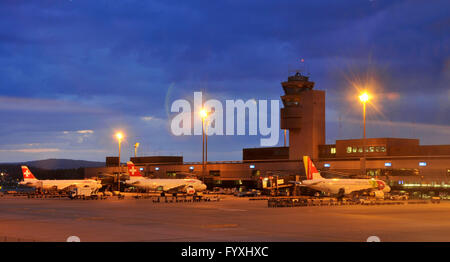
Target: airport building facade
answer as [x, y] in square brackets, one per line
[403, 163]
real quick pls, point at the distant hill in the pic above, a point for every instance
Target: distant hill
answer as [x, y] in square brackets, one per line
[63, 164]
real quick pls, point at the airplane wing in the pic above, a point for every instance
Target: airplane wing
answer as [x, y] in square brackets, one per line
[176, 187]
[65, 186]
[298, 183]
[333, 173]
[71, 186]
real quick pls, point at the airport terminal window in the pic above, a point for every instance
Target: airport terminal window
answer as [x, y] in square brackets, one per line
[349, 149]
[377, 149]
[256, 173]
[371, 149]
[292, 103]
[400, 172]
[383, 149]
[360, 150]
[354, 149]
[373, 172]
[333, 150]
[171, 173]
[214, 172]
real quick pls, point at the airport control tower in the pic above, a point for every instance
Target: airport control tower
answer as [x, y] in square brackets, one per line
[304, 116]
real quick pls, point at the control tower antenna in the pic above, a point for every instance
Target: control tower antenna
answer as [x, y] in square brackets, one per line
[300, 68]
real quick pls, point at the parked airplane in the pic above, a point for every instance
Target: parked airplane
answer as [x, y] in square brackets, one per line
[30, 180]
[341, 187]
[188, 185]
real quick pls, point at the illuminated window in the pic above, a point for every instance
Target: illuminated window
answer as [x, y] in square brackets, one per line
[256, 173]
[214, 172]
[377, 149]
[360, 149]
[383, 149]
[349, 149]
[171, 173]
[371, 149]
[354, 149]
[333, 150]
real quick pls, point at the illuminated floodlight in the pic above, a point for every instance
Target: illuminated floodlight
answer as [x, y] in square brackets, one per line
[422, 163]
[388, 164]
[203, 113]
[191, 168]
[119, 136]
[156, 168]
[141, 169]
[252, 166]
[364, 97]
[326, 165]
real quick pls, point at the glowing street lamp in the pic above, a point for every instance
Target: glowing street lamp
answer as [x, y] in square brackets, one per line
[119, 137]
[203, 114]
[364, 97]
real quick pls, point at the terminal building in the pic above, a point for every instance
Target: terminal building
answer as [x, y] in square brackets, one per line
[404, 163]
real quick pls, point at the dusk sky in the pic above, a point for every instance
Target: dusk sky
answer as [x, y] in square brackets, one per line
[74, 72]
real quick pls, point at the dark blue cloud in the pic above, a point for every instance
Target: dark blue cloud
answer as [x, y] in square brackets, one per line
[124, 60]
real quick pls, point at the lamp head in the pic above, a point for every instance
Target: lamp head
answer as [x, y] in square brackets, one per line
[364, 97]
[203, 113]
[119, 136]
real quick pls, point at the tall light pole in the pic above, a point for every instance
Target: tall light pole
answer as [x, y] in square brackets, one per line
[135, 149]
[119, 137]
[204, 115]
[364, 97]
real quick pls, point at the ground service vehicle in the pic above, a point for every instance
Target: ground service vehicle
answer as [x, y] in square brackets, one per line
[83, 193]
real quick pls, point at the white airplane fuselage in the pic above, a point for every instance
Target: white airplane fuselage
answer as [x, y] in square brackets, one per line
[333, 186]
[158, 184]
[61, 184]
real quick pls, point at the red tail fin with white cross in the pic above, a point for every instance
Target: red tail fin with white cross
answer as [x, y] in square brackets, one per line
[27, 175]
[133, 171]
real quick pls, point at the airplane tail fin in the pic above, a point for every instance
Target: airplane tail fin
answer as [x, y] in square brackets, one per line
[27, 175]
[310, 169]
[133, 171]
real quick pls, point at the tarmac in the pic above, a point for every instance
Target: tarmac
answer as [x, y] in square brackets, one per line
[231, 219]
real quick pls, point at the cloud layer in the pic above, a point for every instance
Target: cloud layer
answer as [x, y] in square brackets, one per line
[102, 66]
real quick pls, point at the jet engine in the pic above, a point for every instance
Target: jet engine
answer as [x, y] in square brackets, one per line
[190, 190]
[379, 194]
